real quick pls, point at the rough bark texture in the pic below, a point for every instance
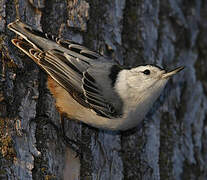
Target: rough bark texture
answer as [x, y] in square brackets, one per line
[171, 144]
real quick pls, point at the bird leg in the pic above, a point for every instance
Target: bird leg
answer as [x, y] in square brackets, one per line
[44, 120]
[74, 145]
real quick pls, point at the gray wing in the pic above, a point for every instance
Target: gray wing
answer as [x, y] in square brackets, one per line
[89, 80]
[99, 92]
[85, 77]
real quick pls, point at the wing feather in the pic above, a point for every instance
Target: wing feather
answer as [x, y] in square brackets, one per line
[78, 49]
[76, 75]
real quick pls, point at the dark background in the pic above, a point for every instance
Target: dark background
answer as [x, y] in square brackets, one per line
[172, 142]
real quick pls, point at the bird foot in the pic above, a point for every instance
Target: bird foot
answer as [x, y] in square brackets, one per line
[74, 145]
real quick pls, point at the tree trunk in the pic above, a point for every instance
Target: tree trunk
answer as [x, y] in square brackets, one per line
[172, 141]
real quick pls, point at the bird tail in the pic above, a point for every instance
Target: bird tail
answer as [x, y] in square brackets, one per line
[36, 38]
[43, 42]
[28, 49]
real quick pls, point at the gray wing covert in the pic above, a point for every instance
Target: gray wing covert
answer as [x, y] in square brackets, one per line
[99, 92]
[88, 83]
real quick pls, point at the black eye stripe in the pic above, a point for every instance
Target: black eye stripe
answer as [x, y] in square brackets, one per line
[146, 72]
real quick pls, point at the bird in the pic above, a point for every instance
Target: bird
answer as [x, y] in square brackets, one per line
[90, 87]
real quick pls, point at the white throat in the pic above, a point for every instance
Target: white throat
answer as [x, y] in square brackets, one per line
[136, 104]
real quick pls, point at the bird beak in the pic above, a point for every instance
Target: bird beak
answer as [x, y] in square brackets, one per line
[175, 71]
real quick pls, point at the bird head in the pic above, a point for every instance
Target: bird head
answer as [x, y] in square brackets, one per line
[143, 78]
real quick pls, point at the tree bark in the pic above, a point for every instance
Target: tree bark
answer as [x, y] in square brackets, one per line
[171, 142]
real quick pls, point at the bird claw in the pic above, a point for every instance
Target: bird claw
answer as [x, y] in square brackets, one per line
[74, 145]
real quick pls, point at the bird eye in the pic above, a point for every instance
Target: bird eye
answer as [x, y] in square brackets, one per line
[147, 72]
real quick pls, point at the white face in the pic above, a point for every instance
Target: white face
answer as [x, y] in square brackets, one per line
[145, 77]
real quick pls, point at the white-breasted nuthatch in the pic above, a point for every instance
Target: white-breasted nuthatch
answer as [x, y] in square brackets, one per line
[90, 87]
